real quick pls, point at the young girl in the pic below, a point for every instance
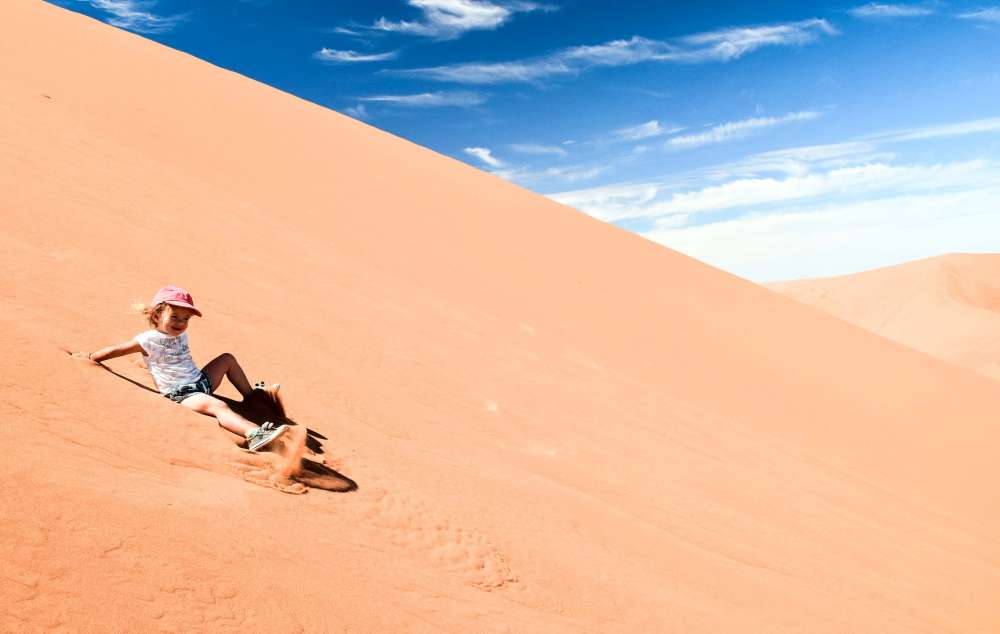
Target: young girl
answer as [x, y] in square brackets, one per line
[166, 352]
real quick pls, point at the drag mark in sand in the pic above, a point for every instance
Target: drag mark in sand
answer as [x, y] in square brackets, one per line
[431, 536]
[275, 469]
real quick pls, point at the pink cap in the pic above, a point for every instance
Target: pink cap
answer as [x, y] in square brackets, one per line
[175, 296]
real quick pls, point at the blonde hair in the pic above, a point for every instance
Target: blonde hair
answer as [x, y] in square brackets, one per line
[150, 312]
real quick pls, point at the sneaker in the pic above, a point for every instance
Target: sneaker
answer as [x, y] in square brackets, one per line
[264, 435]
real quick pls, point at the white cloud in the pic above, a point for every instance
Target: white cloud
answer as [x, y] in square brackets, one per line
[335, 56]
[862, 180]
[801, 160]
[840, 238]
[879, 10]
[615, 202]
[358, 112]
[728, 44]
[563, 174]
[737, 129]
[977, 126]
[338, 56]
[430, 99]
[815, 210]
[573, 174]
[989, 14]
[861, 166]
[643, 131]
[722, 46]
[819, 153]
[868, 149]
[448, 19]
[535, 148]
[484, 155]
[134, 16]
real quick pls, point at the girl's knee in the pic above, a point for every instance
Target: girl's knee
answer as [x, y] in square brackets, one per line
[225, 361]
[205, 404]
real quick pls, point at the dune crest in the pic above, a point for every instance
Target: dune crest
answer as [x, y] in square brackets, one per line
[531, 421]
[947, 306]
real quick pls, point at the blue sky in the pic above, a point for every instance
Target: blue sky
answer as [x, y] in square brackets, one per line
[793, 139]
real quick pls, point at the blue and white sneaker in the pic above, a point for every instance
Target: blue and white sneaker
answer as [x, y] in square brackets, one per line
[264, 435]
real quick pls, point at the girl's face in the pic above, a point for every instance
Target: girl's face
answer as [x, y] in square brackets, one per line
[174, 320]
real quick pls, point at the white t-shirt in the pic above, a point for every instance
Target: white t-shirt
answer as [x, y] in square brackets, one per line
[169, 359]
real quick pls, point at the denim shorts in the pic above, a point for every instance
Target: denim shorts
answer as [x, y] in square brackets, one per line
[202, 386]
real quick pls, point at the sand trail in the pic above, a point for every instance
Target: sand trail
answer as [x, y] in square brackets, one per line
[278, 468]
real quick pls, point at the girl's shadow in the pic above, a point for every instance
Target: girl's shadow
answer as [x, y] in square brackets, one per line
[264, 405]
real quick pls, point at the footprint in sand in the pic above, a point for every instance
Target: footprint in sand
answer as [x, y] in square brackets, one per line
[430, 535]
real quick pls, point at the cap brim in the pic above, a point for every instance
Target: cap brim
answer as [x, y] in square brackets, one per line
[184, 305]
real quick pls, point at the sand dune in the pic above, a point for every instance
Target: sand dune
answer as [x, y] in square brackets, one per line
[552, 424]
[947, 306]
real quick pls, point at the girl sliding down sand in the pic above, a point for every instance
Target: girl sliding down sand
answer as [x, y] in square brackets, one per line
[166, 352]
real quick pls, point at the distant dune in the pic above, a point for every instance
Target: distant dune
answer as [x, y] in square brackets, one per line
[947, 306]
[553, 424]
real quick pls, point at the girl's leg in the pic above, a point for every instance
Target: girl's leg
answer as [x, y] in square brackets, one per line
[211, 406]
[225, 365]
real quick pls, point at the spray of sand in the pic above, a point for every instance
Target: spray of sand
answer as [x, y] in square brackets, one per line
[276, 469]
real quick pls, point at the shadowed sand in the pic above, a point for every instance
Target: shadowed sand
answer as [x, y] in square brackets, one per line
[554, 425]
[946, 306]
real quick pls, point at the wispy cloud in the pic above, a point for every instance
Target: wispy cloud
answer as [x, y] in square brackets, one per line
[134, 15]
[484, 155]
[535, 148]
[880, 10]
[459, 99]
[815, 210]
[976, 126]
[728, 44]
[568, 174]
[801, 160]
[871, 148]
[612, 202]
[358, 112]
[643, 131]
[861, 180]
[792, 227]
[722, 45]
[781, 175]
[346, 57]
[449, 19]
[574, 174]
[737, 129]
[833, 238]
[988, 14]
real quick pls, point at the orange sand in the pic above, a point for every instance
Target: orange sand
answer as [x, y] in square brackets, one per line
[947, 306]
[554, 425]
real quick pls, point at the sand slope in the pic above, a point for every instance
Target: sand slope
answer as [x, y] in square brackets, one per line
[554, 425]
[946, 306]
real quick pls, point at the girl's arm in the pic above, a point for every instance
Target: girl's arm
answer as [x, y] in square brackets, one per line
[115, 351]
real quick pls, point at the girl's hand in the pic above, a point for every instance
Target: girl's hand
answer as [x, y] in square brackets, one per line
[83, 357]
